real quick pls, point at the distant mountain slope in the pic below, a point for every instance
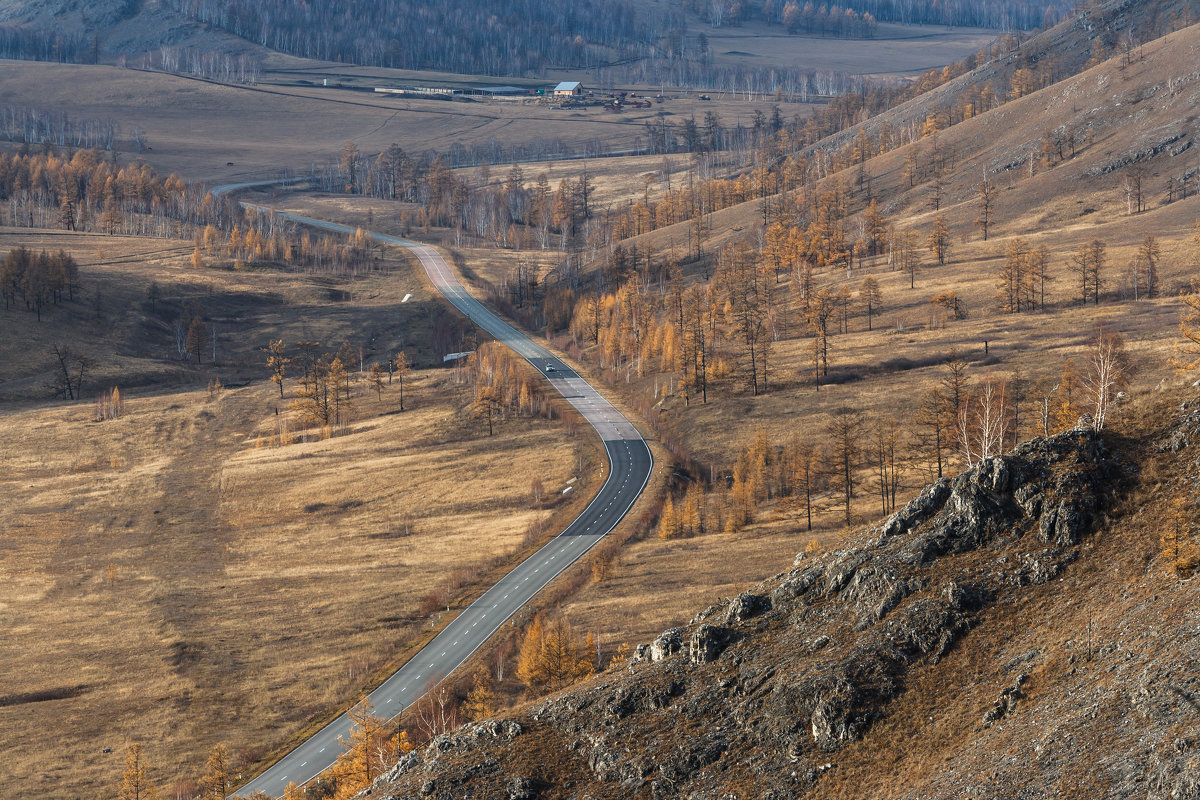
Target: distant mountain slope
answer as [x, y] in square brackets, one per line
[1101, 30]
[101, 30]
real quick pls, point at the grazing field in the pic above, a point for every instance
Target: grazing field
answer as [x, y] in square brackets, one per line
[895, 51]
[176, 576]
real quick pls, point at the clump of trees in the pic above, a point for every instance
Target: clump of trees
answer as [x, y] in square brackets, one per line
[553, 656]
[370, 749]
[38, 280]
[504, 382]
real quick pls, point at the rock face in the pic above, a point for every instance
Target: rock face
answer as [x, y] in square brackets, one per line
[771, 690]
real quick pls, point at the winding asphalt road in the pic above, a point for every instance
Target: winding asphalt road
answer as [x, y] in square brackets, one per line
[630, 465]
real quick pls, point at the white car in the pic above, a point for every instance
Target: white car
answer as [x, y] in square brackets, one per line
[549, 368]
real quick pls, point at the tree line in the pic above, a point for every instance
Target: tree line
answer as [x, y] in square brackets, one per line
[32, 125]
[87, 191]
[209, 64]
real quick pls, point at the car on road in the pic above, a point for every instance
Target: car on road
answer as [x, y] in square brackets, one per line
[549, 368]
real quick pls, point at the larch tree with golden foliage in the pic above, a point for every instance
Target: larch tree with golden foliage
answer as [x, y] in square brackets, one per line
[1176, 537]
[488, 405]
[668, 520]
[1088, 264]
[367, 752]
[1068, 403]
[375, 380]
[870, 298]
[939, 240]
[197, 337]
[481, 700]
[400, 367]
[552, 656]
[803, 461]
[908, 256]
[277, 362]
[134, 785]
[216, 781]
[844, 453]
[1187, 351]
[985, 200]
[1014, 284]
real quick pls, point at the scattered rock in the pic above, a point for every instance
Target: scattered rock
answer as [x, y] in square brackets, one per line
[668, 643]
[706, 643]
[1007, 702]
[521, 789]
[745, 606]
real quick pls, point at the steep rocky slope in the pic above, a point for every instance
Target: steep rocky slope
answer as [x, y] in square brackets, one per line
[1013, 632]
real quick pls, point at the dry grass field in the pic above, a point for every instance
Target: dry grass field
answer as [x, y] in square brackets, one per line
[896, 51]
[175, 576]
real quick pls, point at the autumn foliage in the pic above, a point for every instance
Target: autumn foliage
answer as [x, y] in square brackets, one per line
[552, 656]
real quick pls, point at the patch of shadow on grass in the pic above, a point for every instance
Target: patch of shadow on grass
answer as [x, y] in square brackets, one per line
[44, 695]
[184, 655]
[313, 508]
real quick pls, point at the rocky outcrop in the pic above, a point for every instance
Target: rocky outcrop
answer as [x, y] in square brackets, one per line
[771, 688]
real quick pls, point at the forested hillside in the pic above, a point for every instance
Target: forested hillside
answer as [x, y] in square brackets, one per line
[471, 36]
[521, 38]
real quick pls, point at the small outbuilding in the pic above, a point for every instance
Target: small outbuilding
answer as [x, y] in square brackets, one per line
[569, 89]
